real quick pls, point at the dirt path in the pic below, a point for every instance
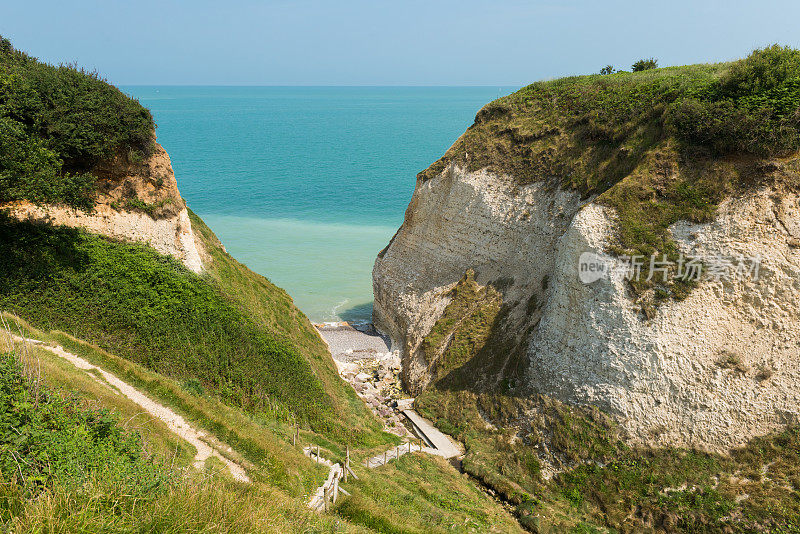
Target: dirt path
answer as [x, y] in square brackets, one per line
[174, 422]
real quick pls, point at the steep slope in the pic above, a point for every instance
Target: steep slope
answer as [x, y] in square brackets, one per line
[162, 492]
[91, 213]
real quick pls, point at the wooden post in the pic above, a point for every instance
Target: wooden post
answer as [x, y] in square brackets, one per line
[335, 487]
[384, 457]
[351, 471]
[409, 446]
[346, 463]
[318, 458]
[325, 493]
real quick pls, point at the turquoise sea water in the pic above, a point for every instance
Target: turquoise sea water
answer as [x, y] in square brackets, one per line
[306, 185]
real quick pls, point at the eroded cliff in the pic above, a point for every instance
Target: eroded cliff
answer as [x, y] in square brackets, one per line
[606, 167]
[135, 201]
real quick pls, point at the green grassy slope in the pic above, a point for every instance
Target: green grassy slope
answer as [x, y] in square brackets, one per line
[422, 494]
[150, 309]
[417, 494]
[271, 307]
[82, 459]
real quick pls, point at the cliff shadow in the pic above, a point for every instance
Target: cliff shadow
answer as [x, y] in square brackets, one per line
[33, 250]
[358, 314]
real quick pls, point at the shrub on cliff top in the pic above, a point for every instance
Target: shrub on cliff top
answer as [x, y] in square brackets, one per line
[644, 64]
[56, 124]
[753, 107]
[574, 127]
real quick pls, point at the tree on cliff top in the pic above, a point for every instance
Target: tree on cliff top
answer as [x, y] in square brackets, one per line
[644, 64]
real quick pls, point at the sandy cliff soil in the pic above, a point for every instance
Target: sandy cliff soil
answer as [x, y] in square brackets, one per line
[135, 202]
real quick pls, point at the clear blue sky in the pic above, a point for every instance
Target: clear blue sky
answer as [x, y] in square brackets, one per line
[382, 42]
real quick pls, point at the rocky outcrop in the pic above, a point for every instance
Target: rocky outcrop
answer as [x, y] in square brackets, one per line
[136, 202]
[458, 221]
[711, 370]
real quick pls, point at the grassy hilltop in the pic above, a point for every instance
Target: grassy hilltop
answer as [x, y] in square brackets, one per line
[658, 145]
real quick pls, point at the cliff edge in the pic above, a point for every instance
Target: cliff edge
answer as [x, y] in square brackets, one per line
[137, 202]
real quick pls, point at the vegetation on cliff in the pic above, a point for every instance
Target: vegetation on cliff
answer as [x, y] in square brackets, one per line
[150, 309]
[516, 441]
[56, 124]
[660, 145]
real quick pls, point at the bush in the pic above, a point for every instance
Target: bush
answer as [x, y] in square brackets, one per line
[608, 69]
[644, 64]
[48, 439]
[150, 309]
[57, 123]
[754, 106]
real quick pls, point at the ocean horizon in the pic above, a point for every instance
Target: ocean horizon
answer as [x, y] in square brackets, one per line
[306, 184]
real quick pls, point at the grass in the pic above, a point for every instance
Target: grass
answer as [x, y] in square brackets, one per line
[231, 330]
[91, 390]
[422, 494]
[263, 440]
[105, 474]
[416, 494]
[658, 146]
[57, 123]
[604, 484]
[197, 505]
[272, 308]
[49, 439]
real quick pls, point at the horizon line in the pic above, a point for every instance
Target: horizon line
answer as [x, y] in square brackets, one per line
[314, 85]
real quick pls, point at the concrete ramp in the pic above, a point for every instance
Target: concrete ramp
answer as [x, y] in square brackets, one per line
[439, 443]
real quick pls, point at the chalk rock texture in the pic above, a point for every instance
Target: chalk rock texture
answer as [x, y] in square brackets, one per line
[710, 371]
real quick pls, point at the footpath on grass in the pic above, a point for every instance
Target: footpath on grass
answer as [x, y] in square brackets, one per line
[363, 359]
[174, 422]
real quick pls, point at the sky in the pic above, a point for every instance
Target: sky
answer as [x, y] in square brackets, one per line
[382, 42]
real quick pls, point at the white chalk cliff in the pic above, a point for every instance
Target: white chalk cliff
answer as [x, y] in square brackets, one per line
[164, 225]
[710, 371]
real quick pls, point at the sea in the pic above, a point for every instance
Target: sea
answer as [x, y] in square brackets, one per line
[306, 185]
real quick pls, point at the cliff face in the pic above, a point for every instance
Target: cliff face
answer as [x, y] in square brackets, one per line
[710, 370]
[135, 202]
[458, 221]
